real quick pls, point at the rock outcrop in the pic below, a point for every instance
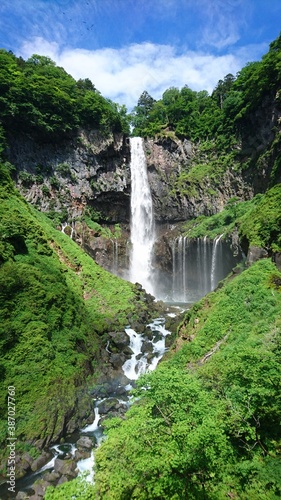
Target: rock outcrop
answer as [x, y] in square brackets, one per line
[166, 158]
[90, 170]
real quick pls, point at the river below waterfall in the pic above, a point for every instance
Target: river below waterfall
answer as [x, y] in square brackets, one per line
[111, 398]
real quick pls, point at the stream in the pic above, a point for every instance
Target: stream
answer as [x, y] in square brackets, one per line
[110, 399]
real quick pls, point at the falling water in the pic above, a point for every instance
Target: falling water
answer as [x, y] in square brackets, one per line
[65, 225]
[198, 265]
[142, 221]
[214, 261]
[114, 267]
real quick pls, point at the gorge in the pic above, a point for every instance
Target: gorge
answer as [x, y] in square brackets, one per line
[103, 237]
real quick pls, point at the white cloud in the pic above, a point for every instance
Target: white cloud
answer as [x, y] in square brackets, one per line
[123, 74]
[222, 21]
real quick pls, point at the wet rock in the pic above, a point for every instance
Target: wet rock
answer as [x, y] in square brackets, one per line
[147, 347]
[128, 351]
[81, 455]
[149, 357]
[117, 359]
[51, 477]
[21, 495]
[120, 391]
[84, 443]
[138, 326]
[66, 468]
[119, 339]
[62, 480]
[40, 461]
[39, 488]
[148, 333]
[108, 405]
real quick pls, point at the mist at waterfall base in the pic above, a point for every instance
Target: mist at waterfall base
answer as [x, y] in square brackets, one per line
[197, 265]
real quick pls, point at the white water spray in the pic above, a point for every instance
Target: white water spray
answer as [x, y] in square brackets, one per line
[142, 220]
[214, 261]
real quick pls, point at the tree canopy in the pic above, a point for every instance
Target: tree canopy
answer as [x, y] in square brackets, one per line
[40, 98]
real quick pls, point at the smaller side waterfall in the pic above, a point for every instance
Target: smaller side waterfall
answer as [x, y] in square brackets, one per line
[114, 267]
[69, 233]
[215, 252]
[94, 426]
[198, 265]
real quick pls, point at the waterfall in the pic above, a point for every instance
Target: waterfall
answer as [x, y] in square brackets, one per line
[197, 266]
[65, 225]
[142, 221]
[114, 267]
[214, 261]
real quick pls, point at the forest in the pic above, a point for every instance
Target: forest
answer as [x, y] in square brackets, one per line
[206, 423]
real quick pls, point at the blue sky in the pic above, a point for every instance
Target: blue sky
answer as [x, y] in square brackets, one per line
[128, 46]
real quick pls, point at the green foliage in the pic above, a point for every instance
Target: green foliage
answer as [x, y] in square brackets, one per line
[206, 422]
[55, 305]
[78, 489]
[190, 114]
[205, 171]
[257, 221]
[223, 222]
[261, 226]
[40, 98]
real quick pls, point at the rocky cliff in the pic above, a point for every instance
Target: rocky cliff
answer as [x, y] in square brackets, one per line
[88, 170]
[177, 197]
[92, 171]
[86, 179]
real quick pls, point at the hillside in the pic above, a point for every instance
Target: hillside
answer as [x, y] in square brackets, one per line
[56, 308]
[206, 423]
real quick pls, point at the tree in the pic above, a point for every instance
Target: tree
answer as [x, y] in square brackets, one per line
[141, 113]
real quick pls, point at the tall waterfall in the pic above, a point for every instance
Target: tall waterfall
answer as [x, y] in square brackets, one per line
[142, 220]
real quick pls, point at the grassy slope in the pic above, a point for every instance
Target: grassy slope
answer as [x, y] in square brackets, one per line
[55, 304]
[258, 221]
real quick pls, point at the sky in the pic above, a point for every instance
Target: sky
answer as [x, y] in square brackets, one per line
[127, 46]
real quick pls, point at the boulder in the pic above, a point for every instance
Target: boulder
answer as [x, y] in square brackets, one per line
[66, 468]
[108, 405]
[117, 360]
[254, 254]
[51, 477]
[21, 495]
[119, 339]
[40, 461]
[147, 347]
[84, 443]
[81, 455]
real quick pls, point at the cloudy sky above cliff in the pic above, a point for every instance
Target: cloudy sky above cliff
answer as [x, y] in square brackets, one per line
[128, 46]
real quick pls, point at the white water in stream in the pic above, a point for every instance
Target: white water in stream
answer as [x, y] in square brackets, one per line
[142, 220]
[139, 363]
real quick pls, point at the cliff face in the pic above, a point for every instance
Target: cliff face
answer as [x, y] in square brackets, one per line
[166, 159]
[93, 172]
[261, 144]
[89, 170]
[90, 175]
